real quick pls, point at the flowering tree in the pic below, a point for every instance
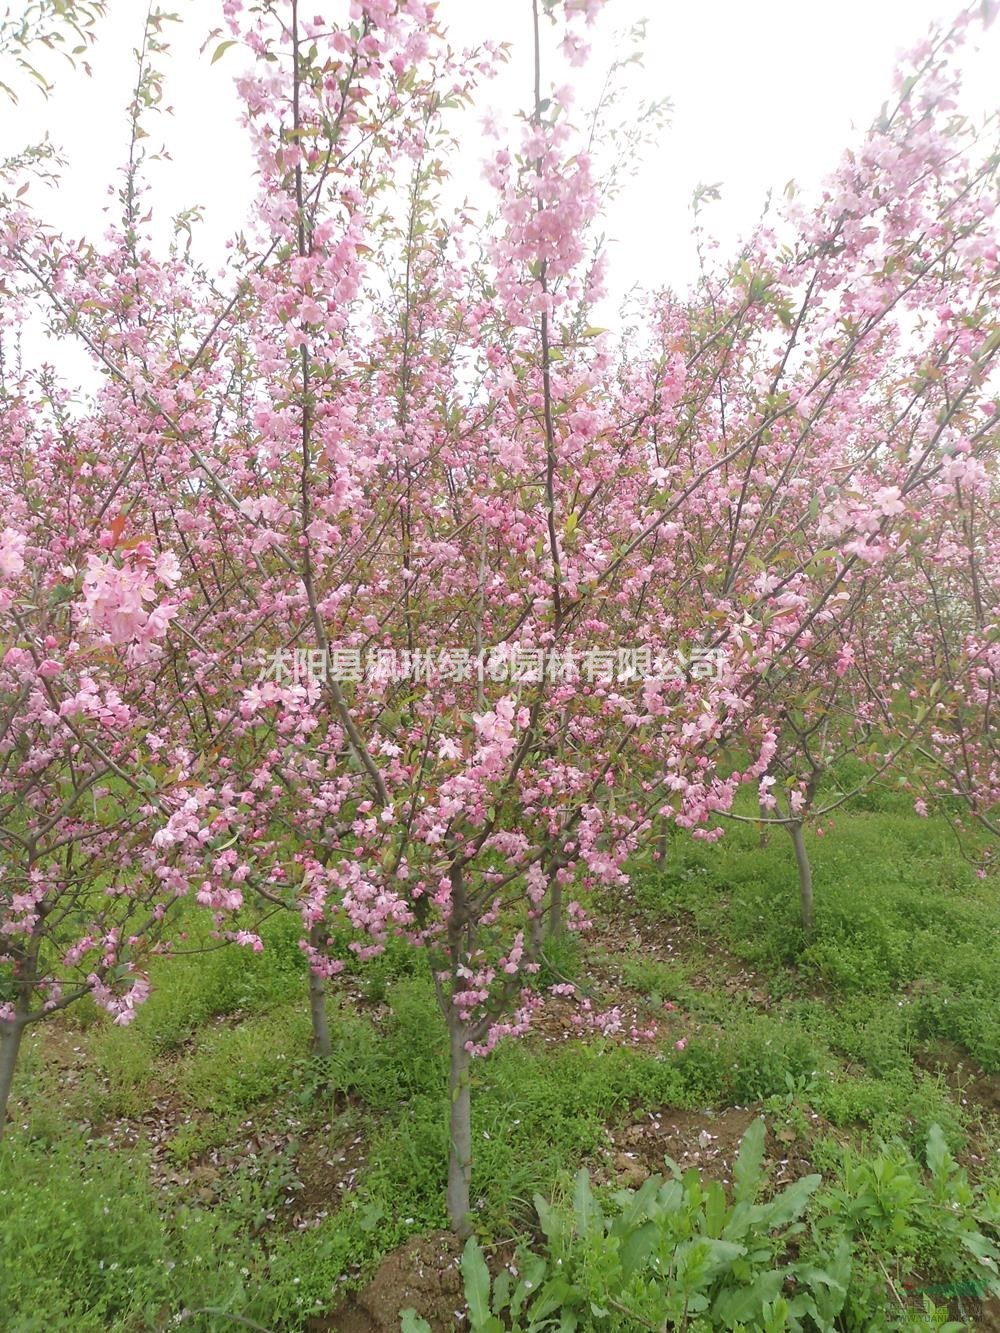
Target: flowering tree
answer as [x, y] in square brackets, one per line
[430, 460]
[399, 444]
[106, 684]
[484, 470]
[847, 373]
[945, 622]
[83, 617]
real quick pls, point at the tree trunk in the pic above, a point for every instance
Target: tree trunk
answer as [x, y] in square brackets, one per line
[10, 1044]
[535, 934]
[765, 832]
[322, 1046]
[555, 910]
[459, 1130]
[805, 875]
[662, 843]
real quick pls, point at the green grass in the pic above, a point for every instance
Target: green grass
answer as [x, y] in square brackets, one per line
[898, 916]
[86, 1247]
[905, 957]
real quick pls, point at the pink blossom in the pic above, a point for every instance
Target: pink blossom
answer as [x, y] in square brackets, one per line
[12, 544]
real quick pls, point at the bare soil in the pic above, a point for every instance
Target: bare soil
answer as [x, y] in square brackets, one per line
[423, 1275]
[708, 1140]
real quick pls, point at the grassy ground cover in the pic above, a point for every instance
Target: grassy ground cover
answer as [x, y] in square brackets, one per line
[201, 1169]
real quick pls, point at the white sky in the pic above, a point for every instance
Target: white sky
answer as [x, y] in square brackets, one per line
[763, 90]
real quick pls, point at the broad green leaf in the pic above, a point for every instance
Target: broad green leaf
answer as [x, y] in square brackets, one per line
[739, 1303]
[586, 1209]
[984, 1250]
[635, 1205]
[477, 1282]
[637, 1247]
[748, 1167]
[715, 1209]
[775, 1316]
[501, 1290]
[697, 1262]
[549, 1220]
[555, 1295]
[791, 1203]
[412, 1323]
[939, 1159]
[532, 1276]
[673, 1170]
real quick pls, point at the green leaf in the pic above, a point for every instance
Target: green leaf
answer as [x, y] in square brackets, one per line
[748, 1167]
[635, 1205]
[589, 1218]
[221, 49]
[734, 1304]
[62, 592]
[412, 1323]
[548, 1219]
[939, 1159]
[477, 1283]
[791, 1203]
[673, 1169]
[698, 1262]
[636, 1248]
[501, 1291]
[532, 1275]
[983, 1249]
[715, 1210]
[775, 1316]
[556, 1293]
[829, 1285]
